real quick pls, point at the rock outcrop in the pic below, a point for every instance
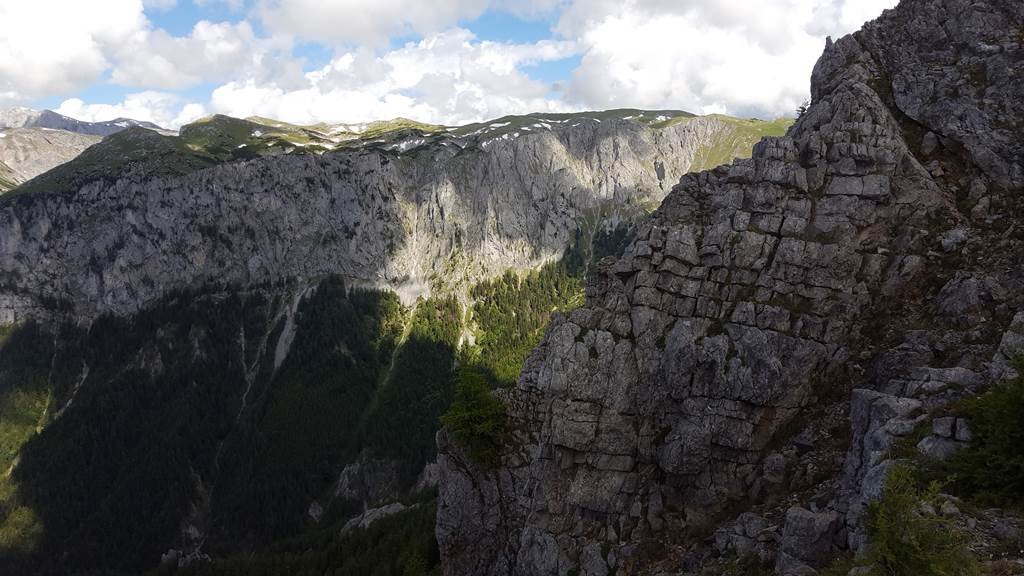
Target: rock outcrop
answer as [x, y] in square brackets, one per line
[28, 152]
[875, 249]
[410, 217]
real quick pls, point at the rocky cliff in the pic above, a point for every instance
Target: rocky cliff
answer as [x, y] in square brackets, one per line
[224, 383]
[742, 370]
[28, 152]
[415, 213]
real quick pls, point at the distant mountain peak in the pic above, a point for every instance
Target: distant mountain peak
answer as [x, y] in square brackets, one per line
[21, 117]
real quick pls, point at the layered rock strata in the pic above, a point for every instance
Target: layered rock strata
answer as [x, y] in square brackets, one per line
[711, 369]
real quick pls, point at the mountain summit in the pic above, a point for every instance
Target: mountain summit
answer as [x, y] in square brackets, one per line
[33, 141]
[29, 118]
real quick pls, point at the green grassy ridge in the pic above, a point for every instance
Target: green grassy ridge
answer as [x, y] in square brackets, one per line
[736, 142]
[330, 136]
[510, 124]
[368, 129]
[218, 139]
[383, 127]
[227, 138]
[149, 152]
[199, 145]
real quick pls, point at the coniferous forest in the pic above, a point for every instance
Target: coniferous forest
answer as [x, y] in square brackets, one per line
[181, 420]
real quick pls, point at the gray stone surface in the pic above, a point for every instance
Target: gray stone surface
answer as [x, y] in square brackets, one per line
[944, 427]
[29, 152]
[434, 219]
[742, 297]
[372, 515]
[808, 539]
[937, 447]
[1010, 351]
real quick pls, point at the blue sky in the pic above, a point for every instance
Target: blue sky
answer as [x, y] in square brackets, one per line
[171, 61]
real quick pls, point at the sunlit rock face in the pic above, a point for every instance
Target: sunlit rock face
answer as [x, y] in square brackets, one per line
[712, 363]
[429, 215]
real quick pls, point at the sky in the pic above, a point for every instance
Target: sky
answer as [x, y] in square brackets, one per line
[447, 62]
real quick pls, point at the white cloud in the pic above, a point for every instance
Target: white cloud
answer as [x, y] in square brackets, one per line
[161, 108]
[52, 47]
[56, 47]
[364, 22]
[162, 5]
[212, 52]
[698, 55]
[231, 4]
[704, 56]
[446, 78]
[528, 8]
[839, 17]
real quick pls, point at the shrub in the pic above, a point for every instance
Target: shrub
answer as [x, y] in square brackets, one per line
[802, 109]
[992, 470]
[907, 542]
[476, 419]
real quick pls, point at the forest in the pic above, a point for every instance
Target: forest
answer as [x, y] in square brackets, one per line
[177, 421]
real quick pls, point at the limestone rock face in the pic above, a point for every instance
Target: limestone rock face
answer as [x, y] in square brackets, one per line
[29, 152]
[758, 290]
[434, 217]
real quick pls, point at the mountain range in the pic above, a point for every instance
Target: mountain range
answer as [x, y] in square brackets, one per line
[339, 269]
[619, 342]
[29, 118]
[34, 141]
[518, 188]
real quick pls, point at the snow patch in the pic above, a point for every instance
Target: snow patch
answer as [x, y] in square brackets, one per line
[408, 144]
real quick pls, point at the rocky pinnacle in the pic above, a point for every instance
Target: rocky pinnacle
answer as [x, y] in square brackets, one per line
[863, 255]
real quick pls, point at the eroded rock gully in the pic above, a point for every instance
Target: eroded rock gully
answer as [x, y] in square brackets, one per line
[775, 325]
